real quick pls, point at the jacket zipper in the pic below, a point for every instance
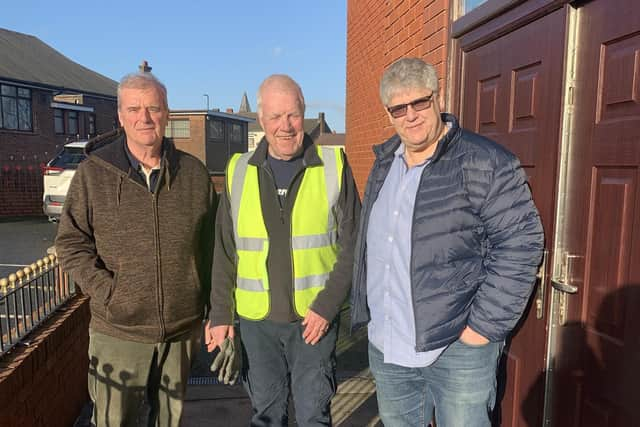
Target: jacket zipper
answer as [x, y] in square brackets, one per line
[156, 232]
[293, 275]
[411, 258]
[293, 282]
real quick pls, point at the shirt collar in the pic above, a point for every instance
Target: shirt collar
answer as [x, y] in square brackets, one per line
[135, 164]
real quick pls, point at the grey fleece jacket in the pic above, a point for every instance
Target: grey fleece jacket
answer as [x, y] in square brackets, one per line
[144, 258]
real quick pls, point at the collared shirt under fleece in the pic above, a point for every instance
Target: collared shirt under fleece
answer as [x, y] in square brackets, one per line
[392, 328]
[279, 265]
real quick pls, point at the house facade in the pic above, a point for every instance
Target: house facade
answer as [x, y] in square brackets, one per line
[211, 136]
[47, 100]
[557, 82]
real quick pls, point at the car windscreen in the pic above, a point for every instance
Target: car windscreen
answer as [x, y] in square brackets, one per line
[69, 158]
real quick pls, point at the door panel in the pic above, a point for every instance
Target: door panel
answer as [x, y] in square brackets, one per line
[512, 92]
[596, 367]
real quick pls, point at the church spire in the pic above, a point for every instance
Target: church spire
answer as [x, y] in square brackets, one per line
[244, 104]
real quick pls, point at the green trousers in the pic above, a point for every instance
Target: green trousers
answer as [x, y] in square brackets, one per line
[136, 384]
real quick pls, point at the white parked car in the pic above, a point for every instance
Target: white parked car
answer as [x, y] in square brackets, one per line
[57, 177]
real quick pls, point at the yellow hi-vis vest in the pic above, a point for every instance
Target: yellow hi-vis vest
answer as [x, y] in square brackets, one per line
[313, 232]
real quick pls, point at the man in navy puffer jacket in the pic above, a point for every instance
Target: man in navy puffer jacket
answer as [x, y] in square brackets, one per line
[448, 247]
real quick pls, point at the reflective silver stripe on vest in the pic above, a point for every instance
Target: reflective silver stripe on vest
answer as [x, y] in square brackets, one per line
[331, 181]
[249, 244]
[302, 283]
[237, 185]
[251, 285]
[315, 241]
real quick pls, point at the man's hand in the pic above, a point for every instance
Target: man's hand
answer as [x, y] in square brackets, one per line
[315, 326]
[214, 335]
[471, 337]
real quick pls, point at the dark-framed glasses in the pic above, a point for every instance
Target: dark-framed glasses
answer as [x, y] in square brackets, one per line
[419, 104]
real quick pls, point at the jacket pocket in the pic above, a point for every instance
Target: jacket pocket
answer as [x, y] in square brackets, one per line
[133, 298]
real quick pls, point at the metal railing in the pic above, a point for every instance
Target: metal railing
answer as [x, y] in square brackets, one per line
[28, 297]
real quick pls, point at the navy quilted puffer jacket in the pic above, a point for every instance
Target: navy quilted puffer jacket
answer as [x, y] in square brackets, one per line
[476, 237]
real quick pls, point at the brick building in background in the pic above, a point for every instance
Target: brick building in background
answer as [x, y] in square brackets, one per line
[46, 101]
[378, 33]
[557, 82]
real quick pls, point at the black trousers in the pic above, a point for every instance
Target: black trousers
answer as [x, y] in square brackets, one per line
[279, 362]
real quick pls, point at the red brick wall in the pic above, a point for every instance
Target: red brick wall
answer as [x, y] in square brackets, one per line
[21, 190]
[45, 384]
[378, 33]
[23, 153]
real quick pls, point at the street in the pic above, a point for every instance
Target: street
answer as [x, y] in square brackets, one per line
[24, 241]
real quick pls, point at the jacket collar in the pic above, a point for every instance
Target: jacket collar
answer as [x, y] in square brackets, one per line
[110, 148]
[309, 158]
[386, 149]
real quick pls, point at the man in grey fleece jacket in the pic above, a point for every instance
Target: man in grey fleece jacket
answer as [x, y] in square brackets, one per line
[136, 235]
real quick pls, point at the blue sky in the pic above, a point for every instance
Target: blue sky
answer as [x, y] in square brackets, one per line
[221, 48]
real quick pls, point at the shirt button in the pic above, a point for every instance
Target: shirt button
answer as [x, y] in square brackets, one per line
[396, 213]
[387, 266]
[391, 238]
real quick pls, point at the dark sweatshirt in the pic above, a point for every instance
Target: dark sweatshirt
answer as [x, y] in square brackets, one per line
[278, 224]
[143, 257]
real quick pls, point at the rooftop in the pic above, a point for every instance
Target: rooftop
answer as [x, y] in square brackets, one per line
[27, 59]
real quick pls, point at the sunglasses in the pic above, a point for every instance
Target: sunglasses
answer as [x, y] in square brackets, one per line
[419, 104]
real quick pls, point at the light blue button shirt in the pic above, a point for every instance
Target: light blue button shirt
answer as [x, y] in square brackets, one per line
[392, 326]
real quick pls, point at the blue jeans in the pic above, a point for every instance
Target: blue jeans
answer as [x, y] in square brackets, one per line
[280, 361]
[460, 385]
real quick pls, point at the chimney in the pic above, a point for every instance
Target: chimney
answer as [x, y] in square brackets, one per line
[230, 110]
[144, 67]
[321, 121]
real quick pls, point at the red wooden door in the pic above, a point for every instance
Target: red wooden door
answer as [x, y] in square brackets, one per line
[512, 92]
[596, 363]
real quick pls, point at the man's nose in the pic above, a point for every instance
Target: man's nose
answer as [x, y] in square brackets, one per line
[285, 123]
[411, 113]
[145, 115]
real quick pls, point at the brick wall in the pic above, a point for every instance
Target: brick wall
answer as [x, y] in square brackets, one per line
[23, 153]
[45, 384]
[378, 33]
[21, 190]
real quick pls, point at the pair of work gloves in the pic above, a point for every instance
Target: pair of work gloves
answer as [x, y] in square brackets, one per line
[228, 361]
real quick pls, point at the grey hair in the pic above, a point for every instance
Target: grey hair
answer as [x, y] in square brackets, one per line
[141, 80]
[284, 83]
[407, 73]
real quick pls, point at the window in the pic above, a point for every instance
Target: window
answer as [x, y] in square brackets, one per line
[15, 108]
[216, 129]
[72, 122]
[236, 134]
[92, 124]
[178, 129]
[58, 120]
[468, 5]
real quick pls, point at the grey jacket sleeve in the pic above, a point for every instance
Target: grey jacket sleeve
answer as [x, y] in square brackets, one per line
[515, 242]
[222, 302]
[328, 302]
[75, 243]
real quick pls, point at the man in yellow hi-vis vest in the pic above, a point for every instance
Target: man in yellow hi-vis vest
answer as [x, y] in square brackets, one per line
[285, 234]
